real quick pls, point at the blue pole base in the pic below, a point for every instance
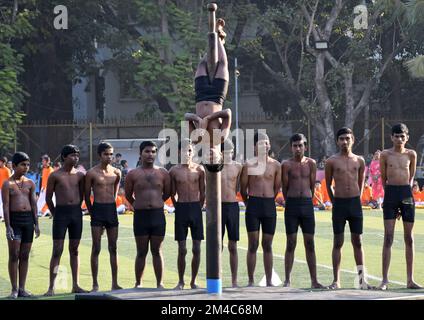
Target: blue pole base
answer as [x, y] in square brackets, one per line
[214, 286]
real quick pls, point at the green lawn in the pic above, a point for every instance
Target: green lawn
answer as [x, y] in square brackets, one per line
[373, 239]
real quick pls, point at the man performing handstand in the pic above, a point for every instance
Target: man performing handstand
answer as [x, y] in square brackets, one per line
[210, 96]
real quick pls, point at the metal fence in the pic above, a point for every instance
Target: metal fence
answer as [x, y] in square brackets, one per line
[43, 137]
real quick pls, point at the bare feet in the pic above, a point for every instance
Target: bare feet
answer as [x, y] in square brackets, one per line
[77, 289]
[334, 286]
[194, 286]
[14, 294]
[317, 285]
[22, 293]
[220, 24]
[286, 284]
[49, 293]
[95, 288]
[180, 286]
[413, 285]
[383, 286]
[116, 287]
[365, 286]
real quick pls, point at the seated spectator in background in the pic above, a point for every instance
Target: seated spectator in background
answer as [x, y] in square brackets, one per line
[168, 205]
[57, 166]
[325, 196]
[279, 199]
[122, 204]
[240, 199]
[366, 197]
[84, 205]
[124, 171]
[417, 194]
[318, 200]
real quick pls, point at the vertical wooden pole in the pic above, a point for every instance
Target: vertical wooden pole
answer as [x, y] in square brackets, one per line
[213, 184]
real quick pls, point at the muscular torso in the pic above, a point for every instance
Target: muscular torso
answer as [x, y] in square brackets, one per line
[148, 186]
[345, 174]
[229, 179]
[299, 178]
[397, 167]
[186, 182]
[103, 184]
[67, 187]
[20, 195]
[263, 185]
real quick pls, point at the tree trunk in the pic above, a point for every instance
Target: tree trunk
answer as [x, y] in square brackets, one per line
[325, 127]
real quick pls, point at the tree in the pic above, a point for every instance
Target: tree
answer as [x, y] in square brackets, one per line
[347, 74]
[14, 25]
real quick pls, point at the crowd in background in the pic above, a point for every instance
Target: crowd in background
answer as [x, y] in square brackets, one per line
[372, 195]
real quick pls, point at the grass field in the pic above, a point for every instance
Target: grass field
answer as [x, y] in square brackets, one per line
[37, 281]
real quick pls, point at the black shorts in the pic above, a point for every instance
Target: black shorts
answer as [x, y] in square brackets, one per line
[22, 224]
[188, 215]
[206, 91]
[347, 209]
[149, 222]
[104, 215]
[231, 220]
[261, 211]
[67, 218]
[399, 199]
[299, 212]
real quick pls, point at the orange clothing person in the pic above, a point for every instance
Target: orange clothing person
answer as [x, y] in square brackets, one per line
[418, 195]
[366, 195]
[45, 173]
[317, 200]
[325, 196]
[279, 199]
[4, 176]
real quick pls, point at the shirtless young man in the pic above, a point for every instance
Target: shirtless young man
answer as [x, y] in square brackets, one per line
[348, 171]
[146, 188]
[298, 184]
[210, 96]
[188, 183]
[68, 186]
[230, 177]
[103, 180]
[397, 166]
[21, 220]
[258, 193]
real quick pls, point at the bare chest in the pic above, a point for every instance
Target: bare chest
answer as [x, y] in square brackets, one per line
[398, 162]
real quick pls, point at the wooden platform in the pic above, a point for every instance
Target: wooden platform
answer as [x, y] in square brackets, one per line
[254, 293]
